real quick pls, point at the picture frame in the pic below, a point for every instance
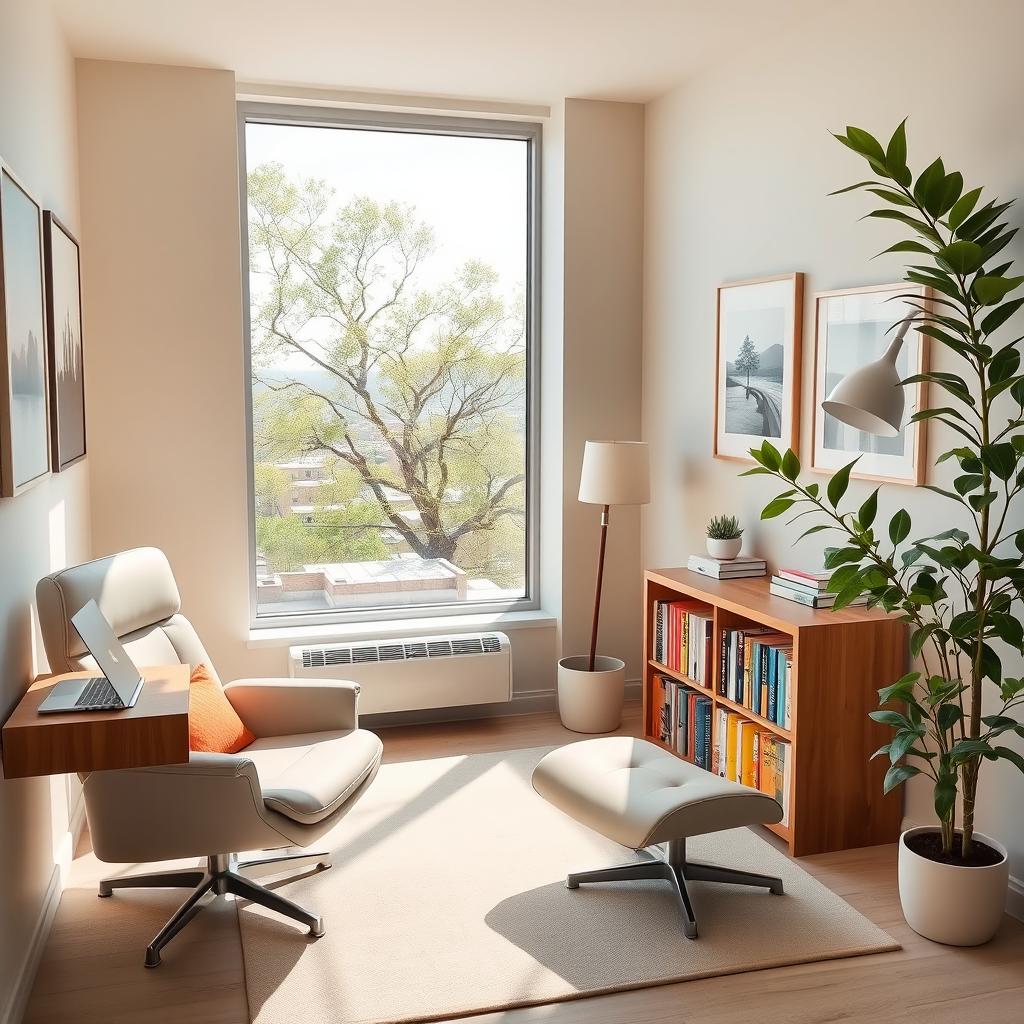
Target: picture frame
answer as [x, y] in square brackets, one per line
[852, 327]
[63, 269]
[758, 329]
[24, 381]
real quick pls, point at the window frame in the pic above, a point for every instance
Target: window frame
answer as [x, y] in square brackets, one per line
[529, 132]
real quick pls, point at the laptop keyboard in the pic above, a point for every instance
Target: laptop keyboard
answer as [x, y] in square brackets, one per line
[98, 693]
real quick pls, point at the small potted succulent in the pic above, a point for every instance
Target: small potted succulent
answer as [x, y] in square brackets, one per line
[725, 538]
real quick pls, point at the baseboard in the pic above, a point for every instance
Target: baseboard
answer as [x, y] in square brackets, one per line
[18, 1000]
[525, 702]
[1015, 892]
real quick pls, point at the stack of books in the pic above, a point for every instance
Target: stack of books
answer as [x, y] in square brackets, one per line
[809, 588]
[756, 671]
[682, 638]
[753, 757]
[727, 568]
[685, 722]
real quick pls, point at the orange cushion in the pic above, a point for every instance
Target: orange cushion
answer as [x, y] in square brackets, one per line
[213, 724]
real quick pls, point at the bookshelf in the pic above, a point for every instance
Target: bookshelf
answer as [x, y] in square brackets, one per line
[840, 660]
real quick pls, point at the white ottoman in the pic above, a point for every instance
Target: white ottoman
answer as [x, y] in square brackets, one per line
[640, 795]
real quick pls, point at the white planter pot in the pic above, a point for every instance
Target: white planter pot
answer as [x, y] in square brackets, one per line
[724, 548]
[959, 906]
[591, 701]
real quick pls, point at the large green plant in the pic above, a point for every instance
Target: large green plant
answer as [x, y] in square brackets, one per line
[961, 589]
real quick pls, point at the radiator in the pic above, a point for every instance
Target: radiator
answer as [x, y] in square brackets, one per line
[410, 675]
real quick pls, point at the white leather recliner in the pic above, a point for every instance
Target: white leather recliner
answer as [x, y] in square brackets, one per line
[309, 764]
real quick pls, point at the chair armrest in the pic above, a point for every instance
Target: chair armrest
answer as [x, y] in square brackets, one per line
[284, 707]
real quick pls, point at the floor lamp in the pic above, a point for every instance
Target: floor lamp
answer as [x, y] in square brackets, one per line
[590, 690]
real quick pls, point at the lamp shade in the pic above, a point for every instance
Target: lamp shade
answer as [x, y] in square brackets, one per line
[871, 398]
[615, 473]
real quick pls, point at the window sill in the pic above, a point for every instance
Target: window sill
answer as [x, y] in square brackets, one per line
[384, 629]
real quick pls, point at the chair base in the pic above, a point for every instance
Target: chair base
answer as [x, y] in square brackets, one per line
[220, 877]
[677, 870]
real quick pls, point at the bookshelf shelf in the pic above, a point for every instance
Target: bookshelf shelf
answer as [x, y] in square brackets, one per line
[839, 661]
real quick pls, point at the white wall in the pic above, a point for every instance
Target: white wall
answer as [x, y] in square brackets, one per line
[739, 163]
[45, 528]
[159, 184]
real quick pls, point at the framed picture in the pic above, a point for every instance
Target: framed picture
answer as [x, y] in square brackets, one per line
[757, 388]
[24, 401]
[852, 328]
[64, 330]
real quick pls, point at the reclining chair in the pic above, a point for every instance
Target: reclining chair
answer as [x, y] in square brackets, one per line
[309, 765]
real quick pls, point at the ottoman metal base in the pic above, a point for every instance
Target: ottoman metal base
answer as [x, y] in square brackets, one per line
[675, 868]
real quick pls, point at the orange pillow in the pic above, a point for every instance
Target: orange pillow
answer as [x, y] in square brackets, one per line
[213, 724]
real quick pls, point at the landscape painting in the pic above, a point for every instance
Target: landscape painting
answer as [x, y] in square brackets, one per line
[24, 419]
[64, 329]
[853, 327]
[758, 365]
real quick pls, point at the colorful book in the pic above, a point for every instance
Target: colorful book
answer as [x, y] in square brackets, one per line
[745, 750]
[811, 580]
[806, 597]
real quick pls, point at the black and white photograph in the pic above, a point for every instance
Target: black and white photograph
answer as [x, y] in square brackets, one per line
[24, 420]
[758, 365]
[853, 327]
[64, 328]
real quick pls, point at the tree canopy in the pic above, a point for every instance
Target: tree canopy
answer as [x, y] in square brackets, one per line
[410, 386]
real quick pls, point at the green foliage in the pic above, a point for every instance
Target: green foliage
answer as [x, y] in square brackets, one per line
[404, 389]
[724, 528]
[960, 591]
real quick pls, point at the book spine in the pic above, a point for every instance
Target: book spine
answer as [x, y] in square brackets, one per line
[792, 595]
[773, 685]
[708, 651]
[756, 771]
[723, 667]
[741, 640]
[787, 720]
[762, 689]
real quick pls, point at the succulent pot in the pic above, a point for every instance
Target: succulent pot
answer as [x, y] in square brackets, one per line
[950, 903]
[724, 548]
[591, 701]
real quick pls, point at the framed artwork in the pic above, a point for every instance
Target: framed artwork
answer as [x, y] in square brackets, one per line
[852, 328]
[24, 400]
[64, 330]
[757, 386]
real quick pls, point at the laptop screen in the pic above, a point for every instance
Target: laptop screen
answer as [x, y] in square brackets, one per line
[104, 646]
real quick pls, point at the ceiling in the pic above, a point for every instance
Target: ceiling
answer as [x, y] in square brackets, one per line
[517, 51]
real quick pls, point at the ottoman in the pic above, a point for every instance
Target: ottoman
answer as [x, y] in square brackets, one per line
[639, 795]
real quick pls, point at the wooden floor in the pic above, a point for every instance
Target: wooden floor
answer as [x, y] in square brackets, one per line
[92, 969]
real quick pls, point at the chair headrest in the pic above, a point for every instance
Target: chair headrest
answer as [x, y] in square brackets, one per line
[134, 589]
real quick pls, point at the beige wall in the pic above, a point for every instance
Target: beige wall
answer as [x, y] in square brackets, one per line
[166, 415]
[160, 210]
[601, 373]
[738, 166]
[47, 527]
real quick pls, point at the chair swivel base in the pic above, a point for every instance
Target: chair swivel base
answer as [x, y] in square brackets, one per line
[220, 877]
[677, 870]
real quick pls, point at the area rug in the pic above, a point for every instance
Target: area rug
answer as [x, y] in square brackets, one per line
[447, 898]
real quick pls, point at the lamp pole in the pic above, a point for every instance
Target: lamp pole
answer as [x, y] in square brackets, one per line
[600, 581]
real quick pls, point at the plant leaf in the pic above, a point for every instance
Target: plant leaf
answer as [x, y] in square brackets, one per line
[962, 208]
[899, 527]
[897, 775]
[838, 484]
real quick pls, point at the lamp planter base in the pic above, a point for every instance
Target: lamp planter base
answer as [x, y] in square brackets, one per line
[959, 905]
[591, 702]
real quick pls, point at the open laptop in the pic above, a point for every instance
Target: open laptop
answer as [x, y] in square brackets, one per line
[119, 686]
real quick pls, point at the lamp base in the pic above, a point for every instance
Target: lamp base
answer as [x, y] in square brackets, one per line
[591, 702]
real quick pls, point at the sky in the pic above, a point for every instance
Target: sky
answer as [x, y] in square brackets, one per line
[472, 191]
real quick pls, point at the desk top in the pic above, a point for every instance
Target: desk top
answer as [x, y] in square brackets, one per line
[154, 731]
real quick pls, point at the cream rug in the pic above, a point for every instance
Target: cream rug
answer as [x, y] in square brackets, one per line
[447, 898]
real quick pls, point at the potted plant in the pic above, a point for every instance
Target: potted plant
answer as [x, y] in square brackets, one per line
[725, 538]
[960, 590]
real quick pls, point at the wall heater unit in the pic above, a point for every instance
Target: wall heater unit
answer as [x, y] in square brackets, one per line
[409, 675]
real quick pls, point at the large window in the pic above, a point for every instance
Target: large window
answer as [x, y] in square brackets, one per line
[392, 313]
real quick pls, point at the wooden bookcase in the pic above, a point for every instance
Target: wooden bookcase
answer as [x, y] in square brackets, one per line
[840, 660]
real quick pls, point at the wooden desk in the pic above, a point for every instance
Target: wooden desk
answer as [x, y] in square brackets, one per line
[154, 731]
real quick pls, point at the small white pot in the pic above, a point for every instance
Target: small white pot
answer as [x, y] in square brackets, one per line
[724, 548]
[959, 906]
[591, 701]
